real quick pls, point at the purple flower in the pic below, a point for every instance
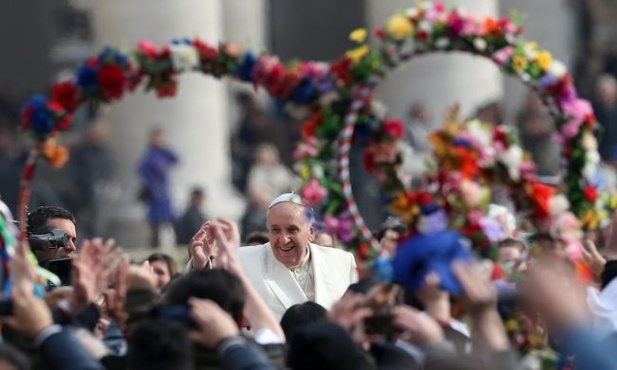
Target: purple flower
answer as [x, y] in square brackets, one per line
[492, 229]
[433, 223]
[324, 84]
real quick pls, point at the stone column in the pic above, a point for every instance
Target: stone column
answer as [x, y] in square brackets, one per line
[439, 80]
[196, 120]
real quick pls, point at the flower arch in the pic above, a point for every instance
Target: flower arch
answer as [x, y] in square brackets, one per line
[562, 211]
[337, 98]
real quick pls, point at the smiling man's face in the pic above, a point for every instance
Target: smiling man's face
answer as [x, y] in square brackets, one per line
[289, 232]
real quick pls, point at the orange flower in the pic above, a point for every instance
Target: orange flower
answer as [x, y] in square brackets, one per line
[404, 207]
[56, 155]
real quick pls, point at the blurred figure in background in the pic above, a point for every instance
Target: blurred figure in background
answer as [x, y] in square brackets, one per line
[268, 178]
[193, 217]
[536, 134]
[155, 190]
[418, 128]
[93, 168]
[605, 109]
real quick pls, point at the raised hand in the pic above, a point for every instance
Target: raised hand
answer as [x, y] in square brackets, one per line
[227, 239]
[202, 246]
[214, 324]
[419, 329]
[141, 276]
[115, 299]
[91, 270]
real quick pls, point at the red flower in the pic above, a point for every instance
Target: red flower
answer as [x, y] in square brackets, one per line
[341, 69]
[424, 198]
[25, 117]
[111, 81]
[541, 194]
[207, 53]
[379, 33]
[369, 160]
[394, 128]
[65, 93]
[590, 193]
[168, 89]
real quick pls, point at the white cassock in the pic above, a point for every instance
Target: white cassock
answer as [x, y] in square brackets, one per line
[332, 271]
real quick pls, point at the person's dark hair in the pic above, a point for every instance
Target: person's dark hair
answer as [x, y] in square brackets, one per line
[299, 315]
[323, 345]
[390, 224]
[220, 286]
[169, 261]
[37, 220]
[257, 238]
[159, 345]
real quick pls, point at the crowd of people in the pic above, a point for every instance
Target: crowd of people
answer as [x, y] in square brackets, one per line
[288, 303]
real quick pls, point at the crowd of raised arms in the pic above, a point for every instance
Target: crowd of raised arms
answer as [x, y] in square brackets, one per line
[284, 302]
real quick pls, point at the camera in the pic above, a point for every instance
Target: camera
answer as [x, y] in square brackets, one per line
[48, 239]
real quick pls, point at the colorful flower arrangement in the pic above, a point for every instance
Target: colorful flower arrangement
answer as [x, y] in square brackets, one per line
[337, 101]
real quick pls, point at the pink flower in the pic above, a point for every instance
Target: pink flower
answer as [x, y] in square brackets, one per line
[503, 56]
[313, 193]
[306, 149]
[148, 48]
[577, 110]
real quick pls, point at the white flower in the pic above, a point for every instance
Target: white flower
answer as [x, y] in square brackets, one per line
[592, 160]
[412, 12]
[558, 204]
[184, 57]
[512, 159]
[425, 25]
[479, 44]
[379, 109]
[318, 171]
[530, 52]
[558, 69]
[480, 133]
[510, 38]
[442, 43]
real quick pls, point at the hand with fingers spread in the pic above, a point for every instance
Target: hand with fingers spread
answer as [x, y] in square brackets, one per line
[202, 247]
[419, 329]
[227, 239]
[115, 299]
[90, 272]
[214, 324]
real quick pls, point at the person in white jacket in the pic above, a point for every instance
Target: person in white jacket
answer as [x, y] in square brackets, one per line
[289, 269]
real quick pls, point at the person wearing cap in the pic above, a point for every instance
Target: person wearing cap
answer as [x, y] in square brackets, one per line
[289, 269]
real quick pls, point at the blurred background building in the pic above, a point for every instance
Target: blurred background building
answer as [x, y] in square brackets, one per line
[215, 127]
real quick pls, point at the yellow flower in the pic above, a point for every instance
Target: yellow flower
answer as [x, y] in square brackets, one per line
[358, 35]
[532, 45]
[544, 60]
[399, 27]
[358, 53]
[304, 172]
[590, 220]
[519, 63]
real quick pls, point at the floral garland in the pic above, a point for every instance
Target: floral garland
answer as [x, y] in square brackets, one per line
[329, 93]
[431, 27]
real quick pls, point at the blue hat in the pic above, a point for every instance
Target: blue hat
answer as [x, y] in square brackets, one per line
[422, 254]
